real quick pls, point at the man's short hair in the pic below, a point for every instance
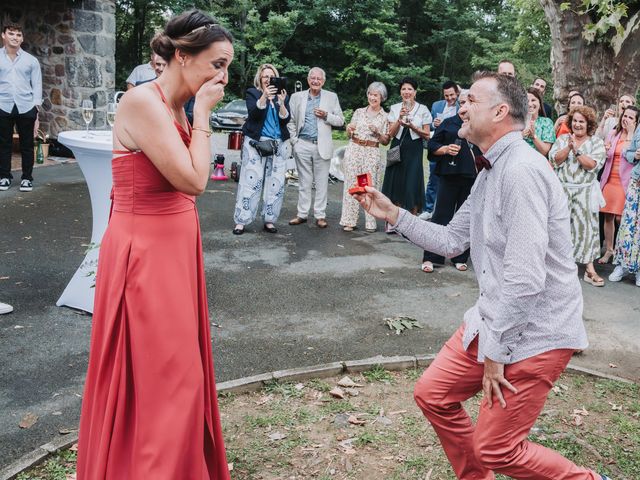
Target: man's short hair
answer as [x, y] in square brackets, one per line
[450, 84]
[11, 26]
[511, 92]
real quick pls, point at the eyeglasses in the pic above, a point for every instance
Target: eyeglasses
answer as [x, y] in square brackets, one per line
[208, 26]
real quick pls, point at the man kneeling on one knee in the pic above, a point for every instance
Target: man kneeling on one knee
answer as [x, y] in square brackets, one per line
[519, 336]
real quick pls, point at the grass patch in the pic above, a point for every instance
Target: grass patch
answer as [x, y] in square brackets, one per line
[284, 431]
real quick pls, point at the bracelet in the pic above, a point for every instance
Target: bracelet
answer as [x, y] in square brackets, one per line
[207, 131]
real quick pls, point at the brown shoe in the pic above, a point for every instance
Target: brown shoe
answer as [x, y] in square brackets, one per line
[322, 223]
[297, 221]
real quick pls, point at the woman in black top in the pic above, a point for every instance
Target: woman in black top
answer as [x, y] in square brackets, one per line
[456, 169]
[262, 173]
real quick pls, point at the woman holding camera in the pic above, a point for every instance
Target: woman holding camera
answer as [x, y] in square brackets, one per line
[263, 160]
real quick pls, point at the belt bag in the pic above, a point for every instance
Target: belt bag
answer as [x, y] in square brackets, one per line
[265, 148]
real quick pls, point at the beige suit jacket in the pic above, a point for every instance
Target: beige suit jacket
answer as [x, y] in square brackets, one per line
[328, 102]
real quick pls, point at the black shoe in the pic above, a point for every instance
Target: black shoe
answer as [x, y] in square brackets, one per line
[238, 231]
[271, 229]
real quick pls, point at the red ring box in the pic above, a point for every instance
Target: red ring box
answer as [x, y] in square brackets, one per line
[363, 180]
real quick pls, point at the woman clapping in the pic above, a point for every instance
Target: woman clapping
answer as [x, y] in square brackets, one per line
[577, 157]
[367, 130]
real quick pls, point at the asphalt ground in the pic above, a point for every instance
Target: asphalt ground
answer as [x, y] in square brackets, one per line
[303, 296]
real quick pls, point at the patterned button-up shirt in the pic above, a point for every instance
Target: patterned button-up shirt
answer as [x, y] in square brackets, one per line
[516, 221]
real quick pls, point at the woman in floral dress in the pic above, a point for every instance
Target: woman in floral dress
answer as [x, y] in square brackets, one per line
[368, 129]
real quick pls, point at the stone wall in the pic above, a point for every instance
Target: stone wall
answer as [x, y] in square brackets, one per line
[74, 40]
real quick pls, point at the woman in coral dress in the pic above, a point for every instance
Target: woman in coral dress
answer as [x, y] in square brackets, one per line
[149, 409]
[615, 176]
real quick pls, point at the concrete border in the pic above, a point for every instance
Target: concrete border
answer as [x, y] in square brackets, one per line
[257, 382]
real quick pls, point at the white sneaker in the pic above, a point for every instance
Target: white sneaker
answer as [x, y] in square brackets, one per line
[425, 216]
[617, 274]
[26, 186]
[638, 278]
[5, 183]
[5, 308]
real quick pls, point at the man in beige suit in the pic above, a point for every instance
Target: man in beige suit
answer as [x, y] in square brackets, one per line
[313, 113]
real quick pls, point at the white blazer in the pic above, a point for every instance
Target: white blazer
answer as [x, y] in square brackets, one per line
[329, 103]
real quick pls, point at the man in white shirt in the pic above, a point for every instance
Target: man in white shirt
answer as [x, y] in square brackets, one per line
[20, 97]
[144, 73]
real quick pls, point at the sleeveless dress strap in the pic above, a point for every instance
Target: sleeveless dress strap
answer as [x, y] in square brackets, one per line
[175, 120]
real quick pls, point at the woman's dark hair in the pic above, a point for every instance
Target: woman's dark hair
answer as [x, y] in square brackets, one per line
[536, 93]
[190, 32]
[571, 97]
[588, 113]
[630, 107]
[410, 80]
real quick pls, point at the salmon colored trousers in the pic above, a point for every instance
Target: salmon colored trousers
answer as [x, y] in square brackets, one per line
[497, 443]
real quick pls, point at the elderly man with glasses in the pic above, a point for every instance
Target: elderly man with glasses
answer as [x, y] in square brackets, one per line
[313, 113]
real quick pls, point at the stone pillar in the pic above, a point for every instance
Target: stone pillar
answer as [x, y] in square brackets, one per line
[74, 40]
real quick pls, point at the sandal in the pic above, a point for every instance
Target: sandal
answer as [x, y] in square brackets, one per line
[594, 279]
[427, 267]
[606, 257]
[347, 228]
[370, 230]
[461, 267]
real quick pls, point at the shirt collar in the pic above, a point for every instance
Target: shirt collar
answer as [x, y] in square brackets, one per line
[498, 148]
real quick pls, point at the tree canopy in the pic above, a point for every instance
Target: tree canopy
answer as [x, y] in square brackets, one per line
[359, 42]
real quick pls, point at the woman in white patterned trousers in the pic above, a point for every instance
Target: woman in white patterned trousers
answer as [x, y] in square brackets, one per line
[260, 177]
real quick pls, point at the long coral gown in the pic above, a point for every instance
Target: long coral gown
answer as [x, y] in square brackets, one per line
[150, 409]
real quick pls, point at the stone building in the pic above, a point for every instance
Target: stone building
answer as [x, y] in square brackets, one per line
[74, 40]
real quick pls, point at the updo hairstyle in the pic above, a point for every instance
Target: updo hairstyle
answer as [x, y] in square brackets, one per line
[190, 32]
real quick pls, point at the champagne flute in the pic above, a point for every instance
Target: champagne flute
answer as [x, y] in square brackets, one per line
[457, 142]
[111, 114]
[406, 104]
[87, 114]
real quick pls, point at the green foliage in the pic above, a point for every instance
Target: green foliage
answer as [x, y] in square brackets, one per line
[356, 43]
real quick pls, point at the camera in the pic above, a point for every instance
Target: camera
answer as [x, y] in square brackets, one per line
[279, 82]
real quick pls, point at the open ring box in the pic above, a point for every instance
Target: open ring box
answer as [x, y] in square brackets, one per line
[363, 180]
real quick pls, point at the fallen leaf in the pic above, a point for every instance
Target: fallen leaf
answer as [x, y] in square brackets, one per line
[28, 420]
[18, 327]
[277, 436]
[70, 476]
[230, 466]
[264, 399]
[577, 420]
[613, 365]
[5, 278]
[347, 382]
[615, 407]
[382, 271]
[397, 412]
[299, 386]
[428, 477]
[353, 420]
[581, 411]
[352, 392]
[74, 447]
[337, 392]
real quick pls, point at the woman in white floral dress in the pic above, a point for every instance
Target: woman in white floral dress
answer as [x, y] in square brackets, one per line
[367, 130]
[577, 157]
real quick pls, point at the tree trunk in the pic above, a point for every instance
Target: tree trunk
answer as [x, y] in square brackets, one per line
[598, 70]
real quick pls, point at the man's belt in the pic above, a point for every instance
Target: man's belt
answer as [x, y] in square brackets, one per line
[364, 143]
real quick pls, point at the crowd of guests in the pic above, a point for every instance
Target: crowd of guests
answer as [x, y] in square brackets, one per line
[596, 161]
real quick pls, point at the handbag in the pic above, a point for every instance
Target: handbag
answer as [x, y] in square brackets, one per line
[393, 154]
[265, 148]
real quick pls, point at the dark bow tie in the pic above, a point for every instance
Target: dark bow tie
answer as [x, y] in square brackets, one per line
[482, 162]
